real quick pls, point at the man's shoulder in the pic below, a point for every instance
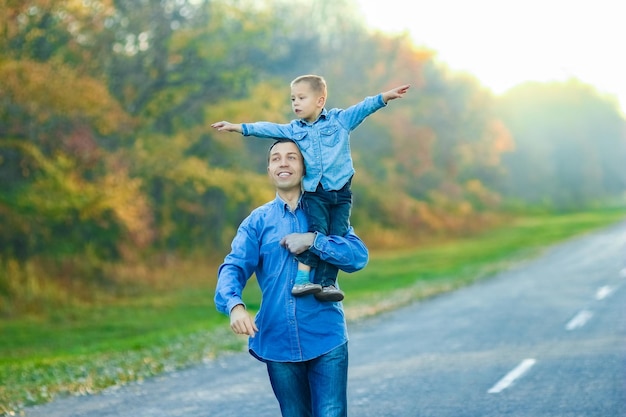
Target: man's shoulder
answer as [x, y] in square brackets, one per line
[258, 218]
[265, 210]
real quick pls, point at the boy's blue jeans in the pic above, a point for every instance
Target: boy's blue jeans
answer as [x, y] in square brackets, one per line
[328, 212]
[314, 388]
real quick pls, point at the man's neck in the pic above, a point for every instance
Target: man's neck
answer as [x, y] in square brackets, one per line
[291, 197]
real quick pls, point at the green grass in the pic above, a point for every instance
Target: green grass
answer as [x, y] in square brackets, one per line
[84, 350]
[414, 274]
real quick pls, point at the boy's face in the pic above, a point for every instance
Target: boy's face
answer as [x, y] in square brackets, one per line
[306, 103]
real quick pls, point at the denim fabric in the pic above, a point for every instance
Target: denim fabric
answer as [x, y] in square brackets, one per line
[327, 212]
[325, 143]
[315, 388]
[290, 328]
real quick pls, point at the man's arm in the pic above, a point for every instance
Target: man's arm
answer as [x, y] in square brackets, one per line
[347, 252]
[241, 322]
[237, 268]
[232, 277]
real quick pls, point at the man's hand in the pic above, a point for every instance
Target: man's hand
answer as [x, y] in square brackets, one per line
[227, 127]
[395, 93]
[297, 243]
[241, 321]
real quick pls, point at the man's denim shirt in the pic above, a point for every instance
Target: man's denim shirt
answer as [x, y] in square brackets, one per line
[325, 143]
[291, 329]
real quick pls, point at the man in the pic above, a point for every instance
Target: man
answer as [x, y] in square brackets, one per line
[302, 341]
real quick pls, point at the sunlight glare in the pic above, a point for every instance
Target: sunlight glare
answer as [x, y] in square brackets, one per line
[504, 43]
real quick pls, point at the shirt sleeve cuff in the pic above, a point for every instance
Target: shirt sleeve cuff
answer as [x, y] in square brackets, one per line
[244, 129]
[320, 244]
[381, 101]
[234, 303]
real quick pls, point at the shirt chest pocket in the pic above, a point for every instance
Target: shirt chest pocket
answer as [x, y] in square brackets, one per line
[272, 258]
[302, 139]
[329, 135]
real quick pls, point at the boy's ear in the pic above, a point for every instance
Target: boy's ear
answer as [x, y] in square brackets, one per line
[321, 101]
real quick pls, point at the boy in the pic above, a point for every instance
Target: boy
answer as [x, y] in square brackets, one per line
[323, 137]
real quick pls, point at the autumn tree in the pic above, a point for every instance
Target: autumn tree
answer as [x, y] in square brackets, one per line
[107, 154]
[61, 187]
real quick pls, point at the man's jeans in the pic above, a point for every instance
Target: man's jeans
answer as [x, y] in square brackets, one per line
[327, 212]
[315, 388]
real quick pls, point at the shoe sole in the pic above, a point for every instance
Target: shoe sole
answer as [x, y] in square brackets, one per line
[329, 297]
[307, 291]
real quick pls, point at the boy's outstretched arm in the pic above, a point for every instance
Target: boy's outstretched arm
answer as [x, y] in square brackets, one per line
[395, 93]
[227, 127]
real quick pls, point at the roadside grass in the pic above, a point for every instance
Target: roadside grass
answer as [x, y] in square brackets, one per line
[83, 350]
[395, 278]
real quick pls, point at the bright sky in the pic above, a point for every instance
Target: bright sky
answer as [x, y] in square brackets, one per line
[506, 42]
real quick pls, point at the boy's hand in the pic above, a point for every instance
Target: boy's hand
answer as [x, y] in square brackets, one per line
[395, 93]
[227, 127]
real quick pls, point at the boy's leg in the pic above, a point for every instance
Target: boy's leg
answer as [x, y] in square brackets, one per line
[328, 275]
[303, 285]
[317, 210]
[325, 273]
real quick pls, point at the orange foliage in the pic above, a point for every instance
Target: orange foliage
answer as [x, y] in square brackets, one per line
[123, 196]
[501, 141]
[481, 195]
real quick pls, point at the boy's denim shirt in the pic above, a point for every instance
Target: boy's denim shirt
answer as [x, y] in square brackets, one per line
[325, 143]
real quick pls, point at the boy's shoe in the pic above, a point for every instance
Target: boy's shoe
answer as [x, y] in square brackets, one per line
[307, 288]
[330, 293]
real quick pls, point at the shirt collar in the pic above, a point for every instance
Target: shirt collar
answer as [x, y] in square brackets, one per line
[284, 207]
[323, 115]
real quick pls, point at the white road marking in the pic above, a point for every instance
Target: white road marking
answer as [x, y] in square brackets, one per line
[515, 374]
[604, 292]
[579, 320]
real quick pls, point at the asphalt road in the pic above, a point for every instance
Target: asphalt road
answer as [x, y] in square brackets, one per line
[546, 338]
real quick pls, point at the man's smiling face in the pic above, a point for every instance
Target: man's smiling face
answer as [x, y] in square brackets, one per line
[285, 166]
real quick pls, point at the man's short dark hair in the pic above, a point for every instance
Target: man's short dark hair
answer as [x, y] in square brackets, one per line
[276, 142]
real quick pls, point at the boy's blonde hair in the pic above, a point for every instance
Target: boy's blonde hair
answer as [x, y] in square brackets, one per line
[317, 83]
